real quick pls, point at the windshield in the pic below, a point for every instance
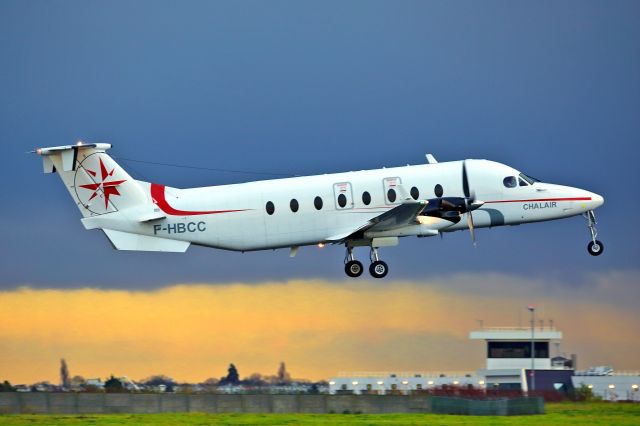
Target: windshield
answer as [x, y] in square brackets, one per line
[530, 180]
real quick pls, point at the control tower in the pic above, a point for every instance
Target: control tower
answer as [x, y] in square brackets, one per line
[508, 364]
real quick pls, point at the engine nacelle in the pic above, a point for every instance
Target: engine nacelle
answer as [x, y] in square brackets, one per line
[426, 226]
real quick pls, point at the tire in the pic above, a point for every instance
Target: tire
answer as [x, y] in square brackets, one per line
[595, 248]
[378, 269]
[353, 268]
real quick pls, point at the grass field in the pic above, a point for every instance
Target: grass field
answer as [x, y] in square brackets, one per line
[591, 414]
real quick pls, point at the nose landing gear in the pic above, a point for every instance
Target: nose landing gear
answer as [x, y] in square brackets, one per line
[595, 247]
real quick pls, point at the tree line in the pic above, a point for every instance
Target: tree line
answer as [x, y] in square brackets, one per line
[160, 381]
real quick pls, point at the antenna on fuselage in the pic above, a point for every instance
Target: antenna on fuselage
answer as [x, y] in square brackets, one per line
[431, 159]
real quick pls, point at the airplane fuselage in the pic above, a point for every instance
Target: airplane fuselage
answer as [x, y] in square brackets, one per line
[310, 210]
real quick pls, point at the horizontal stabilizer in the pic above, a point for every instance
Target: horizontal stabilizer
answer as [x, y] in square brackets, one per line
[79, 146]
[68, 154]
[128, 241]
[149, 216]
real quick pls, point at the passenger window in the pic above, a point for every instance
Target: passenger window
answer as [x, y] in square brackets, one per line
[522, 182]
[366, 198]
[510, 182]
[342, 200]
[415, 193]
[294, 205]
[391, 195]
[317, 202]
[270, 208]
[438, 190]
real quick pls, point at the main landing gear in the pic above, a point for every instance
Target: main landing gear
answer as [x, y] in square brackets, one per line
[595, 247]
[354, 268]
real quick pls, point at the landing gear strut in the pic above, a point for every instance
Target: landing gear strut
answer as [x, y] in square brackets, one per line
[595, 247]
[378, 268]
[352, 267]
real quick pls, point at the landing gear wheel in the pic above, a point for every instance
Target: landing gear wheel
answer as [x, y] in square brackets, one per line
[353, 268]
[378, 269]
[595, 248]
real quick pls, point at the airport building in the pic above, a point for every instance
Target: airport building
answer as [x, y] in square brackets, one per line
[609, 384]
[508, 366]
[382, 383]
[509, 361]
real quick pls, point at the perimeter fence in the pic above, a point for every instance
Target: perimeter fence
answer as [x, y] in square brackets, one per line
[96, 403]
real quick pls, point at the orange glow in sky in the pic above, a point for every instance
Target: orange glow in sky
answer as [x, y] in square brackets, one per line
[192, 332]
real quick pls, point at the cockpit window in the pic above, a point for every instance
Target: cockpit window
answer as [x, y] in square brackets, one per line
[521, 182]
[530, 180]
[510, 182]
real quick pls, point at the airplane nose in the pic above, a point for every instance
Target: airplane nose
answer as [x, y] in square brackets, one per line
[597, 200]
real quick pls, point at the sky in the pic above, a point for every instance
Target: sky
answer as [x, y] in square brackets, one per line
[192, 332]
[299, 88]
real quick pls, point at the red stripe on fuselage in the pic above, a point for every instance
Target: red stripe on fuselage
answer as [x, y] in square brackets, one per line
[540, 199]
[158, 196]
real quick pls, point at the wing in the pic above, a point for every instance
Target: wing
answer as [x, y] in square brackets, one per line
[402, 215]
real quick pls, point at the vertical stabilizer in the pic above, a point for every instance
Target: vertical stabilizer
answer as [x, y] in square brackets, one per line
[95, 181]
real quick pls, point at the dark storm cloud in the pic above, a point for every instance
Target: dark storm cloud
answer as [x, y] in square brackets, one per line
[551, 88]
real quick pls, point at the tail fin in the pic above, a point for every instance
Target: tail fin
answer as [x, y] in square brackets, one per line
[95, 181]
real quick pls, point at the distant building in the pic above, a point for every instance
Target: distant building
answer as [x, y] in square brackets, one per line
[382, 383]
[507, 367]
[609, 384]
[129, 384]
[97, 383]
[509, 361]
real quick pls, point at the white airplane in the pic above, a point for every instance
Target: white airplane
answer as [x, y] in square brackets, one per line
[369, 208]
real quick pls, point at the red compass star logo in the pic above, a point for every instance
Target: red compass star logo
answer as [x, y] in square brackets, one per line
[108, 188]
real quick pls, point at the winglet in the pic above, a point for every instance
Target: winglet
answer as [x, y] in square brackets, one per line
[431, 159]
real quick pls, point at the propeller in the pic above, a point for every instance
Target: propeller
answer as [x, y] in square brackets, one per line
[470, 201]
[452, 208]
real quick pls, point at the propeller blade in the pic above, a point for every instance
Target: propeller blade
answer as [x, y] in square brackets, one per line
[471, 229]
[465, 180]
